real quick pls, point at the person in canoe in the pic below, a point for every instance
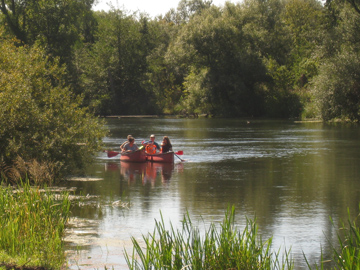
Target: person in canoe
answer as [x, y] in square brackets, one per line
[130, 146]
[151, 146]
[166, 145]
[125, 143]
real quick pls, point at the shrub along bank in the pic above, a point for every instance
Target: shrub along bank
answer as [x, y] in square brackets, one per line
[42, 124]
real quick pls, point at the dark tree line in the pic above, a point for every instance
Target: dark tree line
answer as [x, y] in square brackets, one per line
[273, 58]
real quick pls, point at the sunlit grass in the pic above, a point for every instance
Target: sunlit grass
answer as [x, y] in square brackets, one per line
[33, 222]
[349, 255]
[223, 247]
[32, 227]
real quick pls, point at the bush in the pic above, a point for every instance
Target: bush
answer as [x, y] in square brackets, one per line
[40, 119]
[337, 88]
[38, 173]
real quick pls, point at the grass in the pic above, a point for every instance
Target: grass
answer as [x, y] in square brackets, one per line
[32, 227]
[33, 223]
[225, 247]
[347, 254]
[219, 248]
[38, 173]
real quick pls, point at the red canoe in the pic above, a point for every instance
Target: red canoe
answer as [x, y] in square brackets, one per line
[161, 157]
[136, 156]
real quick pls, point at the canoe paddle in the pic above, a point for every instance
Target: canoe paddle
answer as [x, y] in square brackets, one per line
[111, 153]
[180, 153]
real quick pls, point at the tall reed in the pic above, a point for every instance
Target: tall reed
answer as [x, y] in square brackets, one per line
[223, 247]
[32, 226]
[347, 254]
[38, 173]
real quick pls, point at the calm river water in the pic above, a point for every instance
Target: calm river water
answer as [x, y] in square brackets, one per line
[292, 177]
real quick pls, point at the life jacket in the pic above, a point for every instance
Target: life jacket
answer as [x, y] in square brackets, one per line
[150, 149]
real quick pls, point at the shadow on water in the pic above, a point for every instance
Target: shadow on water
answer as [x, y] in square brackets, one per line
[291, 177]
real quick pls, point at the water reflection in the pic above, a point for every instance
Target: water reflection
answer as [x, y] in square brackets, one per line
[145, 173]
[291, 177]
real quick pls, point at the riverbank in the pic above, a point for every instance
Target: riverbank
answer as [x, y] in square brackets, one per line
[247, 119]
[33, 223]
[32, 228]
[227, 247]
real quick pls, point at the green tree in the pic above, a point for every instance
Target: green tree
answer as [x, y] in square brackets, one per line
[286, 34]
[163, 79]
[305, 20]
[166, 74]
[218, 50]
[113, 69]
[355, 4]
[185, 10]
[336, 87]
[39, 117]
[56, 25]
[262, 20]
[188, 8]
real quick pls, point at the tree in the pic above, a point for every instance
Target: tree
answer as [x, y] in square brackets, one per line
[217, 50]
[262, 20]
[337, 87]
[163, 81]
[39, 117]
[56, 25]
[188, 8]
[113, 69]
[355, 4]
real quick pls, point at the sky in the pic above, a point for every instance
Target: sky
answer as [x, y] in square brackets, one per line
[151, 7]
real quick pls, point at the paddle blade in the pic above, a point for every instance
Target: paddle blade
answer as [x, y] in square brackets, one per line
[179, 153]
[112, 153]
[182, 160]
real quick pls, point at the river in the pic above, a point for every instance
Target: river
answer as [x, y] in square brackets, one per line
[291, 177]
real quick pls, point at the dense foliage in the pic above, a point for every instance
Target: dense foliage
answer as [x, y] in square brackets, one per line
[273, 58]
[40, 119]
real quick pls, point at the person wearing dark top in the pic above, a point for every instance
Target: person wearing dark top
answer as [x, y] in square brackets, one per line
[166, 145]
[152, 141]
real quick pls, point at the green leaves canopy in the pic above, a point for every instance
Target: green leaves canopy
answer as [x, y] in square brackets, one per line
[39, 118]
[56, 25]
[219, 51]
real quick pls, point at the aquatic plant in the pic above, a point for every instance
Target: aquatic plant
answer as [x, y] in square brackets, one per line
[347, 254]
[32, 226]
[223, 247]
[39, 173]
